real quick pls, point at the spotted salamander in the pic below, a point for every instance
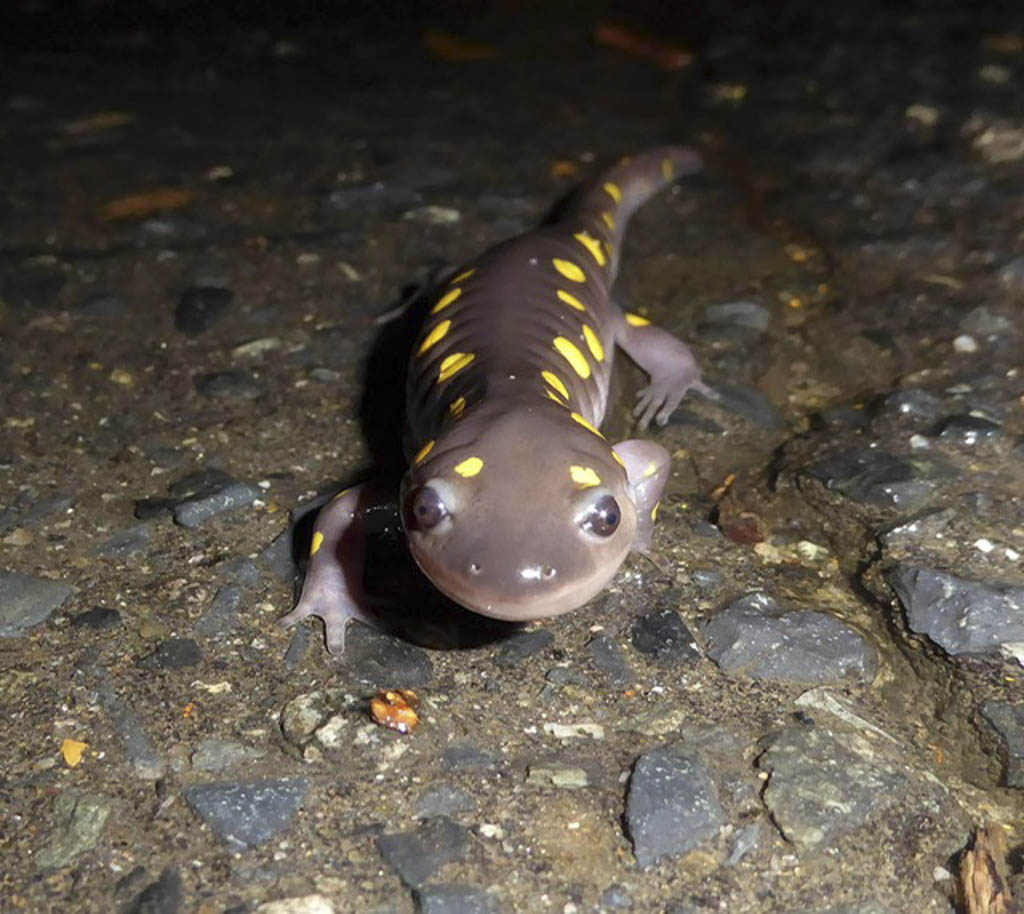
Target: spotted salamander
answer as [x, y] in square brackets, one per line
[514, 504]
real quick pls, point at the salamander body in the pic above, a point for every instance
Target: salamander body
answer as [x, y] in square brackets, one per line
[514, 504]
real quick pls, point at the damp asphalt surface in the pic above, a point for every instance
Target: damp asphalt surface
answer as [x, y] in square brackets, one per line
[806, 701]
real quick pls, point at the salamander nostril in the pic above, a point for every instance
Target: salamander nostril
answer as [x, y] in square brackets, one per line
[474, 568]
[548, 572]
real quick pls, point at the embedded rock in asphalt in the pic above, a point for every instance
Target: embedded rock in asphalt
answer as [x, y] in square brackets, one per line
[416, 855]
[165, 896]
[26, 601]
[663, 636]
[671, 806]
[80, 820]
[454, 899]
[246, 814]
[756, 637]
[962, 616]
[1008, 721]
[813, 772]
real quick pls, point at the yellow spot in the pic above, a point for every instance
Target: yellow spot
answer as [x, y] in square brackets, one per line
[667, 170]
[613, 191]
[576, 417]
[609, 220]
[435, 336]
[609, 250]
[423, 451]
[635, 320]
[593, 343]
[553, 396]
[584, 477]
[569, 270]
[463, 276]
[556, 382]
[571, 300]
[592, 245]
[618, 459]
[454, 364]
[72, 750]
[318, 541]
[654, 511]
[456, 407]
[571, 353]
[469, 467]
[445, 300]
[341, 493]
[652, 468]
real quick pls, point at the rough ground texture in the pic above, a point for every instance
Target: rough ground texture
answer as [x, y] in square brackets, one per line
[200, 219]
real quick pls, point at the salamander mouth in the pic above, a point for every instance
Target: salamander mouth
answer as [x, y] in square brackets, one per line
[538, 595]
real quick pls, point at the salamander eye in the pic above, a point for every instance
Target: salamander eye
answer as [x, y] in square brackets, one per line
[425, 509]
[602, 518]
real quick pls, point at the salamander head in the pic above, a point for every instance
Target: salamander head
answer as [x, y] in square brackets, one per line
[526, 516]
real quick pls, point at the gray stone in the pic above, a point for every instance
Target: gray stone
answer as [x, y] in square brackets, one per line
[199, 308]
[302, 715]
[454, 899]
[983, 322]
[748, 404]
[219, 754]
[221, 616]
[466, 758]
[671, 805]
[380, 660]
[913, 405]
[523, 645]
[1011, 276]
[444, 800]
[874, 477]
[744, 841]
[663, 636]
[417, 854]
[756, 637]
[967, 429]
[821, 784]
[860, 907]
[616, 897]
[194, 511]
[26, 601]
[99, 618]
[165, 896]
[747, 314]
[173, 654]
[278, 555]
[960, 615]
[1008, 721]
[246, 814]
[132, 734]
[228, 385]
[79, 820]
[557, 774]
[606, 656]
[125, 544]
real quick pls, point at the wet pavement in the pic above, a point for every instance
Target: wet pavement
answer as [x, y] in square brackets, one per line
[806, 701]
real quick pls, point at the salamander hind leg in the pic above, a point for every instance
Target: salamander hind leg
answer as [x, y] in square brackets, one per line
[333, 588]
[668, 361]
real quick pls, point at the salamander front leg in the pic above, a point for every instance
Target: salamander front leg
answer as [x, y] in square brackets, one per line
[333, 588]
[669, 363]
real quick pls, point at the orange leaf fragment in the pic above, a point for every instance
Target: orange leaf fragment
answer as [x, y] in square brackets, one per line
[72, 750]
[138, 206]
[446, 46]
[396, 710]
[665, 55]
[563, 168]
